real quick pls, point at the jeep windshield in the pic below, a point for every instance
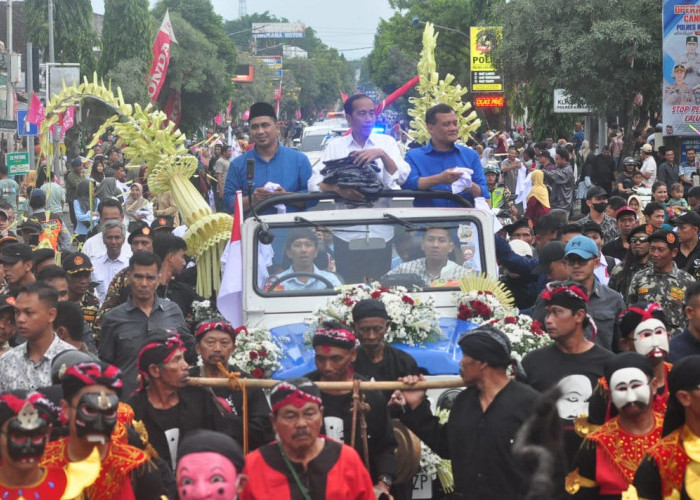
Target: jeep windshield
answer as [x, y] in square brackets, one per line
[419, 249]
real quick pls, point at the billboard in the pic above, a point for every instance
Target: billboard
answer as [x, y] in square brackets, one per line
[482, 41]
[564, 104]
[278, 30]
[681, 67]
[274, 63]
[57, 74]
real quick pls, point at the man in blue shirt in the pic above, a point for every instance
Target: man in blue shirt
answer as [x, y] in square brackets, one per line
[301, 247]
[433, 165]
[288, 170]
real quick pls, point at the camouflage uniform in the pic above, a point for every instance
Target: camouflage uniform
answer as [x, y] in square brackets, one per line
[668, 290]
[90, 304]
[619, 281]
[608, 227]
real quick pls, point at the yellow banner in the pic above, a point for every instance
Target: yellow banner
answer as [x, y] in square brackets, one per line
[482, 41]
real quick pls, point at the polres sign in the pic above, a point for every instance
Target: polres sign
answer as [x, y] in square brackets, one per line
[563, 103]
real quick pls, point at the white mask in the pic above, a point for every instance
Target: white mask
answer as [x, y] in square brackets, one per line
[651, 338]
[629, 385]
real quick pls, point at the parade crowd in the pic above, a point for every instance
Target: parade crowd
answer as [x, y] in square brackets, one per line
[99, 336]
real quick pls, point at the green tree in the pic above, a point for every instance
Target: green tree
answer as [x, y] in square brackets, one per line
[127, 33]
[74, 36]
[200, 14]
[262, 88]
[204, 82]
[130, 75]
[589, 49]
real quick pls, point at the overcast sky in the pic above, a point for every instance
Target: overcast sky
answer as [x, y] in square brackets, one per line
[346, 26]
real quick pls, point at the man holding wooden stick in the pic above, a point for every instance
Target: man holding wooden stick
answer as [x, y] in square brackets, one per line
[483, 422]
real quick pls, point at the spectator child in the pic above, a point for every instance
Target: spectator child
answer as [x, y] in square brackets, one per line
[677, 201]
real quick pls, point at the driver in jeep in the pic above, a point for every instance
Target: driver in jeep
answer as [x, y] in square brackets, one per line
[301, 247]
[436, 268]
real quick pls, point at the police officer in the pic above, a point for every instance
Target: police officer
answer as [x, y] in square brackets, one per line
[679, 92]
[664, 284]
[498, 191]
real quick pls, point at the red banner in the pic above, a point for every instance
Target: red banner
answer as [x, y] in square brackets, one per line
[396, 94]
[173, 107]
[161, 57]
[67, 121]
[36, 113]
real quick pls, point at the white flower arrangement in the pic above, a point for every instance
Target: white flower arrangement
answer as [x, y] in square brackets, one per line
[524, 333]
[432, 465]
[203, 310]
[256, 352]
[414, 321]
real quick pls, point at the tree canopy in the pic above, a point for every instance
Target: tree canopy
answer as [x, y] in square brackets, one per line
[601, 52]
[74, 36]
[127, 33]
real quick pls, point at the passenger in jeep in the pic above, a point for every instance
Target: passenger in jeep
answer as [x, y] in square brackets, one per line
[301, 246]
[435, 269]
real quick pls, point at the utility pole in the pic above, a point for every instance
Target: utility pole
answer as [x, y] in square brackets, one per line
[10, 97]
[51, 54]
[29, 87]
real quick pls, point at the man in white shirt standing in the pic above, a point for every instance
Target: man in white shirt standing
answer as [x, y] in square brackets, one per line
[648, 165]
[110, 209]
[109, 264]
[364, 147]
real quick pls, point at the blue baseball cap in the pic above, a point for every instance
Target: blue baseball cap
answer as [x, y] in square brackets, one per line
[582, 246]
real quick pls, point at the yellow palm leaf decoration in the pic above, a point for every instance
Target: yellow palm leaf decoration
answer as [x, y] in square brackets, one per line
[485, 283]
[149, 137]
[434, 90]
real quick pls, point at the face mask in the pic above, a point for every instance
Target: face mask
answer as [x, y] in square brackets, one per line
[96, 416]
[629, 385]
[600, 207]
[206, 475]
[26, 435]
[651, 338]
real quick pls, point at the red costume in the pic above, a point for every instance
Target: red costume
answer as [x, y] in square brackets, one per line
[114, 481]
[336, 473]
[51, 487]
[670, 468]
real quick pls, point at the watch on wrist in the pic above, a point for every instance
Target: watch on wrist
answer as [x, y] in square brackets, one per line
[386, 480]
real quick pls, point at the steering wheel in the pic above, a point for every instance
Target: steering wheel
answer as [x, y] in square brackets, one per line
[281, 279]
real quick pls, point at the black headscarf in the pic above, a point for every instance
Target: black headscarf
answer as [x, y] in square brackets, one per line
[488, 344]
[685, 375]
[204, 440]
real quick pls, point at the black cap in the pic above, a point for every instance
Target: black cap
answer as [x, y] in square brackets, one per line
[165, 222]
[142, 230]
[15, 252]
[594, 191]
[77, 263]
[42, 254]
[7, 302]
[551, 252]
[592, 225]
[76, 162]
[31, 226]
[646, 229]
[369, 308]
[518, 224]
[668, 237]
[691, 217]
[545, 153]
[261, 109]
[7, 240]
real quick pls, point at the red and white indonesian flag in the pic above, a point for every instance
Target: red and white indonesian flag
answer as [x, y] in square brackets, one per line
[161, 57]
[230, 299]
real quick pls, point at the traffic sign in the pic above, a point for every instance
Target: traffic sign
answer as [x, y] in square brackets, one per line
[8, 124]
[17, 163]
[22, 125]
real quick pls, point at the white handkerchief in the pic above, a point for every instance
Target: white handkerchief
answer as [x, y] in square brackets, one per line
[271, 186]
[464, 182]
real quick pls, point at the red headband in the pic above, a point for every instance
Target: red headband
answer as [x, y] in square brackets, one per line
[645, 314]
[168, 348]
[573, 291]
[296, 397]
[208, 326]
